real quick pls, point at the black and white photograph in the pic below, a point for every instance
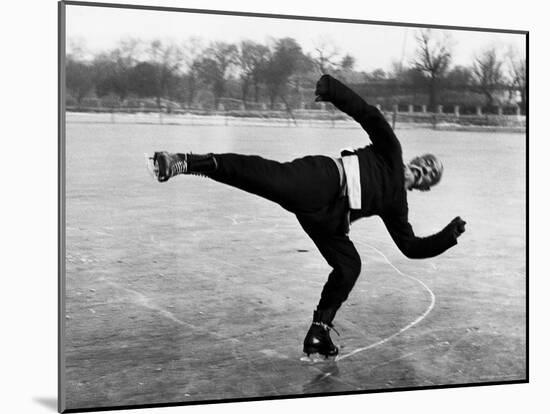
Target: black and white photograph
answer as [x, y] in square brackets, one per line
[259, 206]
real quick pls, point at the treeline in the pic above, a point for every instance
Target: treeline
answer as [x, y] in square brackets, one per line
[280, 74]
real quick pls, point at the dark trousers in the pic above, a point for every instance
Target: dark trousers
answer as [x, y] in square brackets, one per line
[309, 187]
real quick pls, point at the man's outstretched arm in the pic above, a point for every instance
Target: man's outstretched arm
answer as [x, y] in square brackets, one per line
[329, 89]
[423, 247]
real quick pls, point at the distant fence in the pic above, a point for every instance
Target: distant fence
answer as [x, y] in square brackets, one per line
[495, 117]
[498, 117]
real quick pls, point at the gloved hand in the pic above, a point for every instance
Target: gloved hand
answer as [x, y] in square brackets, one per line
[322, 89]
[458, 226]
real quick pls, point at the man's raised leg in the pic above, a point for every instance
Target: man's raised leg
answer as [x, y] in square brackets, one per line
[303, 185]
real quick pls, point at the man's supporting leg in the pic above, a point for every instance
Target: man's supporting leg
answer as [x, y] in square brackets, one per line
[342, 256]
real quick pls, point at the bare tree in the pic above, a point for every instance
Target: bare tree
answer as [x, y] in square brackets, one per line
[345, 67]
[517, 67]
[128, 51]
[145, 81]
[112, 69]
[301, 82]
[433, 58]
[79, 72]
[79, 79]
[166, 58]
[459, 78]
[347, 62]
[192, 50]
[252, 58]
[326, 55]
[285, 58]
[487, 74]
[214, 68]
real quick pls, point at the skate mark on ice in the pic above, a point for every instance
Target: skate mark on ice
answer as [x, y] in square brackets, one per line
[409, 354]
[269, 269]
[140, 299]
[237, 219]
[273, 354]
[405, 328]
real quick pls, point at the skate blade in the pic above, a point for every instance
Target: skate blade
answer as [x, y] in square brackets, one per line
[317, 358]
[151, 166]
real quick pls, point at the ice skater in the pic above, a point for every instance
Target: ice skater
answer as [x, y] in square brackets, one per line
[327, 194]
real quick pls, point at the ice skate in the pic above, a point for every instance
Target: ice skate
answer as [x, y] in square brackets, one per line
[164, 165]
[318, 345]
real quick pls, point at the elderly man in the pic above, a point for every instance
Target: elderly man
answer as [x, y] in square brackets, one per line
[327, 194]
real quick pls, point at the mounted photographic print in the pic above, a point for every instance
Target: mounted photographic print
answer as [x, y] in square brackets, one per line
[265, 206]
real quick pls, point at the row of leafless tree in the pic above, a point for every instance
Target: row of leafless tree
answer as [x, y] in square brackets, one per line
[279, 72]
[488, 74]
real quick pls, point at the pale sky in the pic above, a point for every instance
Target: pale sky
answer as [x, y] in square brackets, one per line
[372, 46]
